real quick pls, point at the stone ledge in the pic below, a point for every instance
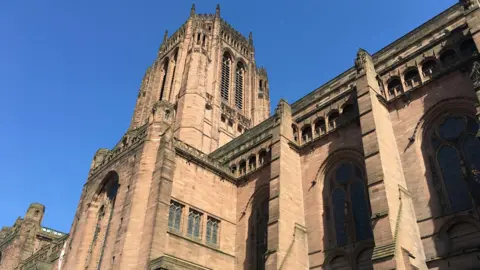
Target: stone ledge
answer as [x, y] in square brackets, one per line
[199, 243]
[173, 263]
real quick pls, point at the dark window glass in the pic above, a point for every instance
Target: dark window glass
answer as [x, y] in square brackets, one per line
[344, 173]
[225, 80]
[456, 186]
[194, 220]
[360, 211]
[174, 216]
[471, 149]
[212, 230]
[339, 209]
[452, 128]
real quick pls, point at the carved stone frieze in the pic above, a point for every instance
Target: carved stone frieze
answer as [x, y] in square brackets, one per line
[228, 112]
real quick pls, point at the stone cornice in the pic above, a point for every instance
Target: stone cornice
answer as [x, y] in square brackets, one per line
[251, 136]
[382, 55]
[197, 156]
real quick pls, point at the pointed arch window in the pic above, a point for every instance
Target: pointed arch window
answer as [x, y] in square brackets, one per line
[164, 78]
[456, 154]
[239, 79]
[351, 213]
[225, 80]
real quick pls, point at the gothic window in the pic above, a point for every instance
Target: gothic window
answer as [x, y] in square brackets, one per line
[175, 216]
[260, 86]
[320, 126]
[351, 214]
[262, 156]
[260, 234]
[243, 167]
[429, 68]
[212, 230]
[252, 163]
[412, 78]
[468, 47]
[173, 71]
[339, 263]
[395, 87]
[164, 79]
[333, 119]
[306, 134]
[239, 77]
[448, 58]
[225, 82]
[194, 221]
[457, 154]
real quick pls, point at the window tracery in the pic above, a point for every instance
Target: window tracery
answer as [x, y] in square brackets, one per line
[456, 154]
[225, 79]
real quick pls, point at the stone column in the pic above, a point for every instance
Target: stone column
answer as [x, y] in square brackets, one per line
[287, 242]
[392, 212]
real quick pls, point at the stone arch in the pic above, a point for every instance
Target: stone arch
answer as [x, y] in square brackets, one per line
[429, 66]
[394, 85]
[458, 233]
[337, 260]
[411, 76]
[307, 133]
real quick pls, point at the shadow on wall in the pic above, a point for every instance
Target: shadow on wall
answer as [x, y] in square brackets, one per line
[257, 225]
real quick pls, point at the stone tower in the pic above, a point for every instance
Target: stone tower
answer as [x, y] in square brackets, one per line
[207, 70]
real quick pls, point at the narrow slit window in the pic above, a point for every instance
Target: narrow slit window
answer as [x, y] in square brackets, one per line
[175, 216]
[239, 76]
[225, 82]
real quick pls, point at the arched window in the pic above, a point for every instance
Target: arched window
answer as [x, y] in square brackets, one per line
[262, 156]
[320, 126]
[106, 198]
[333, 119]
[295, 132]
[260, 234]
[429, 68]
[173, 71]
[225, 82]
[468, 47]
[449, 57]
[306, 134]
[239, 77]
[252, 163]
[350, 205]
[339, 263]
[457, 153]
[164, 79]
[395, 87]
[243, 167]
[412, 78]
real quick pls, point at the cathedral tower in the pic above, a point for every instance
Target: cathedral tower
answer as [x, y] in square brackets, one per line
[207, 70]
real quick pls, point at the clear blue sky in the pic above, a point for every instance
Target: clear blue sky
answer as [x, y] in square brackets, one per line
[70, 72]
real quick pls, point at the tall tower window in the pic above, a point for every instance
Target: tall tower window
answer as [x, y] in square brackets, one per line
[164, 78]
[225, 84]
[240, 71]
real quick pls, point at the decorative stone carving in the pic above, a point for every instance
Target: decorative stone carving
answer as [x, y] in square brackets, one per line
[361, 60]
[228, 112]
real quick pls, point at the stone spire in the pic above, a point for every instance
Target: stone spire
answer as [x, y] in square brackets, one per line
[192, 10]
[217, 11]
[250, 38]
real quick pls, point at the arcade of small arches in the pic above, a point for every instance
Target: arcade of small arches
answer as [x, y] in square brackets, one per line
[319, 127]
[429, 66]
[252, 163]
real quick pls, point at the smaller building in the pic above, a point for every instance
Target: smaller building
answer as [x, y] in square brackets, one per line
[27, 245]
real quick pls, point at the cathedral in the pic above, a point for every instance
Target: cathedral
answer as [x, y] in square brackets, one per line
[379, 168]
